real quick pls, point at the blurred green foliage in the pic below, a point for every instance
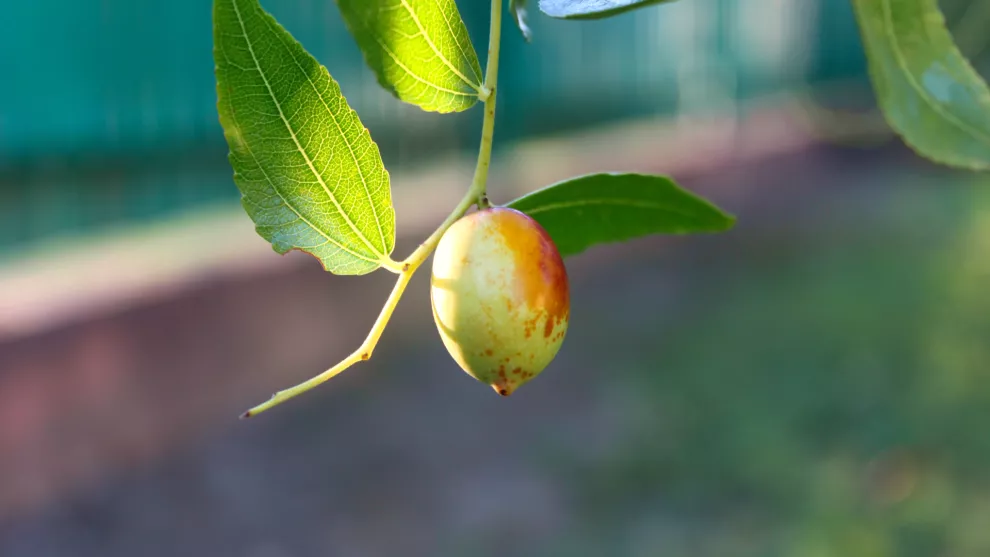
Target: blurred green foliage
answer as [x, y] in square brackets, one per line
[833, 401]
[928, 90]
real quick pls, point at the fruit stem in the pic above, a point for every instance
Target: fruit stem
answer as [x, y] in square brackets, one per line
[362, 353]
[480, 182]
[476, 195]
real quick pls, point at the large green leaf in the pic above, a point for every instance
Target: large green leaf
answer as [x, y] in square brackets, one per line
[419, 49]
[592, 9]
[929, 93]
[603, 208]
[310, 176]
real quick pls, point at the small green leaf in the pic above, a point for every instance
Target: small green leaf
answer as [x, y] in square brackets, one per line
[420, 50]
[518, 9]
[310, 176]
[604, 208]
[592, 9]
[927, 90]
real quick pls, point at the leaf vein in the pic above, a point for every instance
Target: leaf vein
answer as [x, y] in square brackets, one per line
[607, 201]
[436, 51]
[457, 40]
[888, 28]
[292, 133]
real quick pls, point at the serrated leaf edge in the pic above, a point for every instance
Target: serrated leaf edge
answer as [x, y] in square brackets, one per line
[474, 84]
[381, 256]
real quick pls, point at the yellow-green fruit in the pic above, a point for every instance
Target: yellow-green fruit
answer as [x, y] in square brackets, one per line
[500, 297]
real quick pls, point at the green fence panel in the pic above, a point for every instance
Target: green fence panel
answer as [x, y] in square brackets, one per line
[109, 107]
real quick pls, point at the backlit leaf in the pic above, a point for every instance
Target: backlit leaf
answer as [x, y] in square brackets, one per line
[310, 176]
[926, 88]
[418, 49]
[604, 208]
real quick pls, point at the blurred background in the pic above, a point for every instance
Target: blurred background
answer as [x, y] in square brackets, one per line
[812, 384]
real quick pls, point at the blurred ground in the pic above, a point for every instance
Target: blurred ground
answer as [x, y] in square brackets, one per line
[811, 384]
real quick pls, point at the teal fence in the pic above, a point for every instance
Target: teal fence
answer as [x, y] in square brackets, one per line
[108, 108]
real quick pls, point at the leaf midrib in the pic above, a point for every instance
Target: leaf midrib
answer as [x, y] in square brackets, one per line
[302, 151]
[414, 75]
[457, 41]
[436, 51]
[285, 200]
[888, 28]
[612, 201]
[350, 150]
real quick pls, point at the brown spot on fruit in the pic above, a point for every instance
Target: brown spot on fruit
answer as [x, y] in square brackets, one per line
[541, 279]
[503, 388]
[498, 281]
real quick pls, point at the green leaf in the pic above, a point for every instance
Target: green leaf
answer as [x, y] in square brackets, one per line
[518, 9]
[604, 208]
[310, 176]
[927, 90]
[592, 9]
[419, 49]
